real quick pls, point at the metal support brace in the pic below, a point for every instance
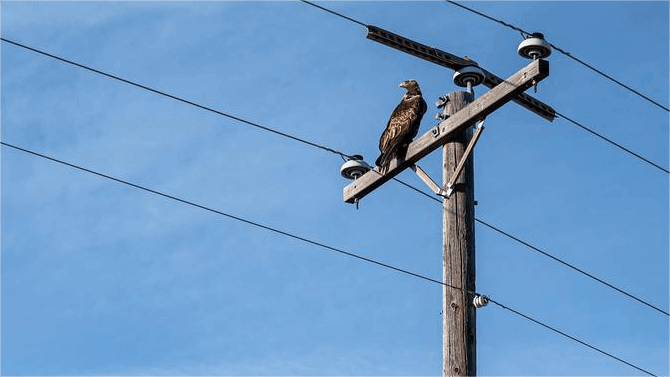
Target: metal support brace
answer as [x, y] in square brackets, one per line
[427, 180]
[450, 185]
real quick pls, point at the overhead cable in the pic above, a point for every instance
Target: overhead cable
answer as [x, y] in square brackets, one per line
[570, 337]
[525, 34]
[277, 132]
[333, 12]
[174, 97]
[543, 252]
[302, 141]
[312, 242]
[587, 65]
[600, 136]
[594, 133]
[322, 147]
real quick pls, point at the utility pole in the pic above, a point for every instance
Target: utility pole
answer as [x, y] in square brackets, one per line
[455, 134]
[458, 253]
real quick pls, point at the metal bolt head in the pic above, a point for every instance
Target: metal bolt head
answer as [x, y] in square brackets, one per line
[441, 102]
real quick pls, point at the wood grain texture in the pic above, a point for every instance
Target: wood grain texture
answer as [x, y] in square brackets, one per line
[459, 342]
[443, 132]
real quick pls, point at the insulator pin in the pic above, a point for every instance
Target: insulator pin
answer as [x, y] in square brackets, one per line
[480, 301]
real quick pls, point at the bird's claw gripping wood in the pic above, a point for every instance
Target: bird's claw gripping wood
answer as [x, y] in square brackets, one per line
[477, 110]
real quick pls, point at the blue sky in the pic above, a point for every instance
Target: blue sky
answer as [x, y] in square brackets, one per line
[104, 279]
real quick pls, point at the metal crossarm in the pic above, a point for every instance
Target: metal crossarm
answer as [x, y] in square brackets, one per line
[454, 62]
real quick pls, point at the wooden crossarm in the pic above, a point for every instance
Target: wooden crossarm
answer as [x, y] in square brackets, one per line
[447, 129]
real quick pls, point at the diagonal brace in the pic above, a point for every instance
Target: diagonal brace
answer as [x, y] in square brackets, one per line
[427, 180]
[450, 185]
[452, 181]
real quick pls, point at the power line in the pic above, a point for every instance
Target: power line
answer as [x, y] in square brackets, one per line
[594, 133]
[312, 242]
[343, 155]
[568, 336]
[543, 252]
[174, 97]
[587, 65]
[333, 12]
[246, 221]
[524, 33]
[325, 148]
[129, 82]
[283, 134]
[591, 276]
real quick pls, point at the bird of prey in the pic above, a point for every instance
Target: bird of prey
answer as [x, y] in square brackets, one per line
[402, 126]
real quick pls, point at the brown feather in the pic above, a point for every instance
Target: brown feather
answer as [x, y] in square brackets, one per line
[403, 125]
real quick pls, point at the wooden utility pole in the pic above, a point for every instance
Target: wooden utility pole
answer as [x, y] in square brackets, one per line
[454, 134]
[459, 339]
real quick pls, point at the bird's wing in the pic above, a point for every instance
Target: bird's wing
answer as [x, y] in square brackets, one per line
[403, 124]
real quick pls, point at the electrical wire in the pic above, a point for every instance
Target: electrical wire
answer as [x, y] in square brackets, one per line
[180, 99]
[283, 134]
[343, 155]
[234, 217]
[543, 252]
[587, 65]
[312, 242]
[596, 134]
[591, 276]
[568, 336]
[333, 12]
[523, 32]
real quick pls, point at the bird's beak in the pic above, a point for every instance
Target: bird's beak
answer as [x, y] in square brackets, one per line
[402, 84]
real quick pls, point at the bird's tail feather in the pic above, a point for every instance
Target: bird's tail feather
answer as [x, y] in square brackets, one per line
[380, 160]
[383, 161]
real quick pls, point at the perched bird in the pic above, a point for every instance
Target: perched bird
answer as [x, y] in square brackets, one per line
[403, 125]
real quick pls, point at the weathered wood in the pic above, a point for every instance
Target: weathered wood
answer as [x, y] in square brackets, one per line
[454, 62]
[459, 318]
[443, 132]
